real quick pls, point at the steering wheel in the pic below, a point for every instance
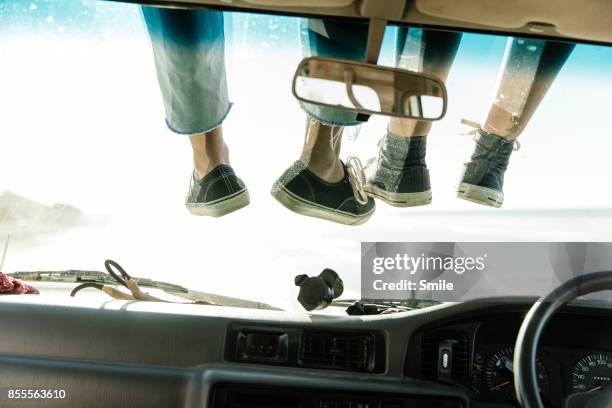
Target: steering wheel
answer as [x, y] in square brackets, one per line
[525, 379]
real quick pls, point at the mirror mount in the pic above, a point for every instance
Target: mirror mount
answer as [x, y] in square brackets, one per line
[379, 13]
[376, 33]
[349, 81]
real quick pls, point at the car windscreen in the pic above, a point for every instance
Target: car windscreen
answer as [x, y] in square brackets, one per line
[89, 169]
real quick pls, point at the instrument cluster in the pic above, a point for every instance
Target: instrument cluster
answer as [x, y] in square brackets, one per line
[574, 356]
[560, 372]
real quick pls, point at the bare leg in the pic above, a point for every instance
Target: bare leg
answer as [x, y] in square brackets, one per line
[527, 76]
[317, 184]
[209, 151]
[432, 53]
[530, 66]
[321, 151]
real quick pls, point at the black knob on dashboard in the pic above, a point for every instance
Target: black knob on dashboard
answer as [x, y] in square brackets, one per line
[318, 292]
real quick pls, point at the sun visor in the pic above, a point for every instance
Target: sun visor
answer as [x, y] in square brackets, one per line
[302, 3]
[588, 20]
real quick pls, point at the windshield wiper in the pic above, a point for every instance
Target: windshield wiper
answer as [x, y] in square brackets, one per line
[366, 306]
[96, 277]
[80, 276]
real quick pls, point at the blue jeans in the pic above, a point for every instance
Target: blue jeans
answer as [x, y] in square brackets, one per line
[189, 52]
[188, 47]
[333, 39]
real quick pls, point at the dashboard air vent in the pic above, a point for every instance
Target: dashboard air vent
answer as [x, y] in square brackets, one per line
[433, 348]
[340, 351]
[461, 359]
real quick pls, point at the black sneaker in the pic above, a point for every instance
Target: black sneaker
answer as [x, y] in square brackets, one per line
[220, 192]
[483, 176]
[344, 202]
[399, 175]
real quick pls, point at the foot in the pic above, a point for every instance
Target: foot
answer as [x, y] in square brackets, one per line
[344, 202]
[219, 193]
[483, 176]
[399, 176]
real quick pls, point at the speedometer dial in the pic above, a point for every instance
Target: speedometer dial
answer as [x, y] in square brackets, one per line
[499, 376]
[592, 373]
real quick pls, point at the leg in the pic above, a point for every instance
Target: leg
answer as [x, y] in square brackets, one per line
[399, 175]
[334, 39]
[320, 184]
[189, 53]
[321, 151]
[209, 151]
[429, 52]
[529, 69]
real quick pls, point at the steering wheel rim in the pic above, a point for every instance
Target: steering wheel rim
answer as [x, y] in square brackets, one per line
[525, 378]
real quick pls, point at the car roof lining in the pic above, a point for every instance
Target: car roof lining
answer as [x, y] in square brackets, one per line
[425, 24]
[426, 14]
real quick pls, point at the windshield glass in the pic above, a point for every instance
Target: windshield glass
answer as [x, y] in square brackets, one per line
[90, 171]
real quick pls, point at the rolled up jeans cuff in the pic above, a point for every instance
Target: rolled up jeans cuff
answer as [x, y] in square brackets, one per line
[187, 131]
[330, 116]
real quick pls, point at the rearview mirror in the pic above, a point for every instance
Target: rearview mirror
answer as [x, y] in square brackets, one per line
[369, 89]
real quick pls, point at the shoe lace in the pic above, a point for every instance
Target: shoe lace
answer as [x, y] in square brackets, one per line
[336, 133]
[476, 127]
[357, 178]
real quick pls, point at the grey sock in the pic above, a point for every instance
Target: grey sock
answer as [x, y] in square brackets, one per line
[398, 152]
[401, 166]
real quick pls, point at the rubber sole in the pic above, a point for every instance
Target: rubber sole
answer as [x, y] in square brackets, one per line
[221, 207]
[309, 209]
[399, 199]
[480, 195]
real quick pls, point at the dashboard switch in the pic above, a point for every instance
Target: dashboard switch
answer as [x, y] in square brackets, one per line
[445, 359]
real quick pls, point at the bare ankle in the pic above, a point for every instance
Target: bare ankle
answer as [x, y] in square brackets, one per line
[321, 152]
[326, 167]
[209, 151]
[203, 166]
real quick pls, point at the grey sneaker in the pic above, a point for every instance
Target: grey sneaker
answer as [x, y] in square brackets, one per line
[219, 193]
[344, 202]
[483, 176]
[399, 175]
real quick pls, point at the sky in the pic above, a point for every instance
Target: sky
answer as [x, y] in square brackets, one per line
[83, 124]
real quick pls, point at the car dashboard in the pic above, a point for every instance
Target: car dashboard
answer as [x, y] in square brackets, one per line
[156, 354]
[575, 355]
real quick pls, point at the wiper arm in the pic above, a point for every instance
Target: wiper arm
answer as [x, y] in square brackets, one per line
[81, 276]
[96, 277]
[378, 306]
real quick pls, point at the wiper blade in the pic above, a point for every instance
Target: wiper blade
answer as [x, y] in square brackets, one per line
[80, 276]
[400, 304]
[227, 301]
